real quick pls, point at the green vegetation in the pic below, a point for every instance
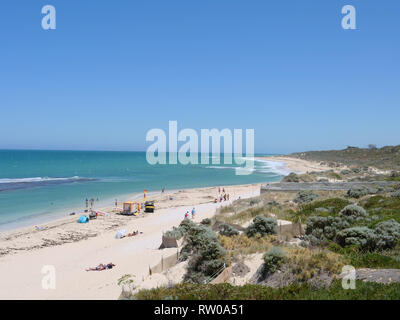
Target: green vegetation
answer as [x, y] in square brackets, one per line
[387, 158]
[385, 208]
[333, 205]
[241, 245]
[389, 259]
[363, 291]
[262, 226]
[205, 254]
[206, 222]
[227, 230]
[350, 227]
[178, 233]
[305, 197]
[334, 175]
[273, 258]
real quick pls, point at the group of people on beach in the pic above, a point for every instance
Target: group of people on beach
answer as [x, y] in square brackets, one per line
[91, 203]
[193, 212]
[222, 195]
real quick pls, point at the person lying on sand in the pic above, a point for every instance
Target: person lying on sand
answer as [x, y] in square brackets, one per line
[134, 233]
[102, 267]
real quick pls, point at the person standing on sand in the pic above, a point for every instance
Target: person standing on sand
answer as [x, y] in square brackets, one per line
[87, 203]
[116, 203]
[219, 190]
[187, 214]
[193, 213]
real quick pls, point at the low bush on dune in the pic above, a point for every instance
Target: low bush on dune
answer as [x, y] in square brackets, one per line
[360, 236]
[262, 226]
[305, 197]
[228, 230]
[321, 230]
[353, 211]
[178, 233]
[205, 254]
[186, 291]
[395, 194]
[353, 227]
[273, 258]
[291, 177]
[206, 222]
[358, 192]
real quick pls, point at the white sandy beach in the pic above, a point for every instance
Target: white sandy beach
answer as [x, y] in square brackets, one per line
[71, 248]
[298, 165]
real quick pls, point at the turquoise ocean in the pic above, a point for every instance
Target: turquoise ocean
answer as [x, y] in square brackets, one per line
[38, 186]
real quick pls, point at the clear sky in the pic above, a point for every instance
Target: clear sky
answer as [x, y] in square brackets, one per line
[112, 70]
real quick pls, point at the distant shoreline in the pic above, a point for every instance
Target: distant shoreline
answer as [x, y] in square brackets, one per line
[295, 165]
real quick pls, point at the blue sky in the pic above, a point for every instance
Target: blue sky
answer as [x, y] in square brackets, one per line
[112, 70]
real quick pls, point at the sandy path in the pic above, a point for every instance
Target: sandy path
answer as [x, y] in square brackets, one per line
[21, 271]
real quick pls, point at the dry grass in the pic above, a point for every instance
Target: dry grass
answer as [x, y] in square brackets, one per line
[306, 263]
[241, 245]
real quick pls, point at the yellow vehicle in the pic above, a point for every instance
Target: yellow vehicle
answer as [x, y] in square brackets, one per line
[149, 206]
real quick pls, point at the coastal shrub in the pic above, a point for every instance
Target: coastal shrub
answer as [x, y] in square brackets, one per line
[395, 194]
[357, 192]
[345, 172]
[395, 174]
[363, 237]
[273, 258]
[186, 225]
[206, 222]
[305, 197]
[291, 177]
[262, 226]
[388, 234]
[178, 233]
[206, 255]
[228, 230]
[253, 202]
[320, 230]
[353, 211]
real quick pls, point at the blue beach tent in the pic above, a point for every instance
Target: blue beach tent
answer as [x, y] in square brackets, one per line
[83, 219]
